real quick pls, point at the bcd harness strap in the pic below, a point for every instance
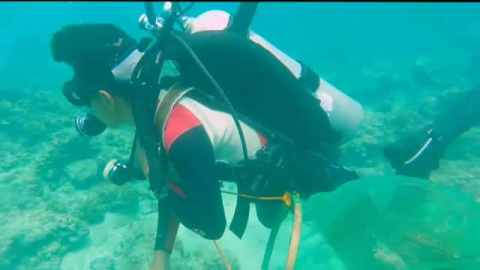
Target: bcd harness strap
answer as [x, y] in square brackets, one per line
[309, 78]
[240, 22]
[242, 209]
[167, 102]
[164, 108]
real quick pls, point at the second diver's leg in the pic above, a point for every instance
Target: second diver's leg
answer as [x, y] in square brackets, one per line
[418, 154]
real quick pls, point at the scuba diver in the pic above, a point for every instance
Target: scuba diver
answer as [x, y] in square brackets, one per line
[195, 140]
[418, 154]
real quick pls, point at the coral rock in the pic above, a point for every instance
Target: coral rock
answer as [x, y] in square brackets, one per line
[36, 237]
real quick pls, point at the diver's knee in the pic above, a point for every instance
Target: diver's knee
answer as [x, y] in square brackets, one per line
[267, 212]
[215, 230]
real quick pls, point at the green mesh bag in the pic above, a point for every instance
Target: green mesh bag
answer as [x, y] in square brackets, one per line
[396, 222]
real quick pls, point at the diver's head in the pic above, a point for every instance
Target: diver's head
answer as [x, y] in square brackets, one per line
[103, 58]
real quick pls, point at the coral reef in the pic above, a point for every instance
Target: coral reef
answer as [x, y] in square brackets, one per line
[83, 173]
[124, 199]
[103, 263]
[92, 210]
[39, 239]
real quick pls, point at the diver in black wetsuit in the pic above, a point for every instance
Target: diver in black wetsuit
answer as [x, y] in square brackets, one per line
[195, 137]
[419, 154]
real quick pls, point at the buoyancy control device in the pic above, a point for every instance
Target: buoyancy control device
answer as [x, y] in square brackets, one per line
[344, 113]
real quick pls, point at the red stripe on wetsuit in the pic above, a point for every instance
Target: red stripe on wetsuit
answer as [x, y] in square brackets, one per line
[179, 122]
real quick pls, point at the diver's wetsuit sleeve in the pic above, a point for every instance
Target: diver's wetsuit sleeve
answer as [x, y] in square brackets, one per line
[459, 115]
[167, 227]
[138, 172]
[196, 202]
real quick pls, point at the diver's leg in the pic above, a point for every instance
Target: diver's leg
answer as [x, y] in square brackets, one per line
[204, 217]
[268, 211]
[418, 154]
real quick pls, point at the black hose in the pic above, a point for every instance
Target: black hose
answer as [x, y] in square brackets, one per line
[143, 116]
[243, 18]
[182, 12]
[150, 12]
[145, 77]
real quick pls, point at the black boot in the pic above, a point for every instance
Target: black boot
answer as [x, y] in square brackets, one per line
[417, 155]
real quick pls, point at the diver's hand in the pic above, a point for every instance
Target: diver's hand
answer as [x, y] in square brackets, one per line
[161, 261]
[416, 155]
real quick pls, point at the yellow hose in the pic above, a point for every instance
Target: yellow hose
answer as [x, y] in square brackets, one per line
[296, 232]
[291, 200]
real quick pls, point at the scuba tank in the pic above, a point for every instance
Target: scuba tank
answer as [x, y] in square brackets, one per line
[345, 114]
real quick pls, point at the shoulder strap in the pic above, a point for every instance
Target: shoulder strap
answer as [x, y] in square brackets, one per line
[164, 109]
[166, 104]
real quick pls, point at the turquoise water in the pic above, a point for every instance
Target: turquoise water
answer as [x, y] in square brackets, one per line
[397, 59]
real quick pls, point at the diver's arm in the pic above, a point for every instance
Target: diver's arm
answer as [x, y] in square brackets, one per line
[161, 261]
[191, 153]
[192, 156]
[198, 196]
[167, 228]
[138, 171]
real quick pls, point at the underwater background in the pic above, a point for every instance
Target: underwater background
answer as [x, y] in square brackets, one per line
[397, 59]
